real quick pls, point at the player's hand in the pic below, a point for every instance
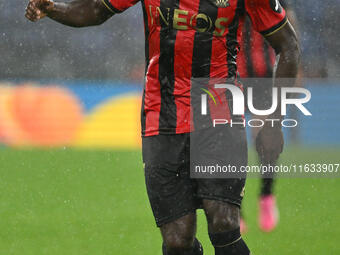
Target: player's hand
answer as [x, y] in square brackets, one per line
[37, 9]
[269, 144]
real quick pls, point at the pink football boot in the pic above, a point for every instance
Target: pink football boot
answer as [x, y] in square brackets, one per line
[269, 214]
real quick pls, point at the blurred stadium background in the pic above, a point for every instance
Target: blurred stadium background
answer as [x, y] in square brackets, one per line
[71, 178]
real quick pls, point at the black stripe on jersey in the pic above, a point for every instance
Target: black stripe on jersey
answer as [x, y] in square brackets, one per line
[168, 112]
[201, 58]
[110, 6]
[232, 42]
[147, 58]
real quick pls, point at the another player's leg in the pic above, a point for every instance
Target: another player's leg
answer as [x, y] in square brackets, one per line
[224, 229]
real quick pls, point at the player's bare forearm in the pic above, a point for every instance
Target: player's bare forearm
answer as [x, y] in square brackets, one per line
[77, 13]
[286, 44]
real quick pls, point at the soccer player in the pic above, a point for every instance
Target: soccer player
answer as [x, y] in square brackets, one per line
[188, 39]
[256, 60]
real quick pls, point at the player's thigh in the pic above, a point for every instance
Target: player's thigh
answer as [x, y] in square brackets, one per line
[170, 190]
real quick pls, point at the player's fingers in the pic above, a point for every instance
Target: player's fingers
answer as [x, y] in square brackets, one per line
[36, 9]
[34, 13]
[38, 13]
[31, 15]
[29, 12]
[34, 2]
[30, 18]
[31, 8]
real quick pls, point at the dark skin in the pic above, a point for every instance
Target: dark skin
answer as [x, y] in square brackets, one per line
[78, 13]
[222, 217]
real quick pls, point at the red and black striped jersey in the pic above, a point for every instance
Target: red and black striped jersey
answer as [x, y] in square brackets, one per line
[188, 39]
[256, 58]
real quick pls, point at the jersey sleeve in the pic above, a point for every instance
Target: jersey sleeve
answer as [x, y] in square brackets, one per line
[267, 16]
[118, 6]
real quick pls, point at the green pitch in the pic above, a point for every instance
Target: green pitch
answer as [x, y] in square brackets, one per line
[94, 202]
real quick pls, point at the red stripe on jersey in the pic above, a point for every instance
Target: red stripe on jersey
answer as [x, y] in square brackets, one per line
[152, 100]
[183, 69]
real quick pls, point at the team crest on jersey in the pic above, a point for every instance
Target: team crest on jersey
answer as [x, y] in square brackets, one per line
[222, 3]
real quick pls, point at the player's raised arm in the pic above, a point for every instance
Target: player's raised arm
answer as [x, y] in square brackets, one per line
[77, 13]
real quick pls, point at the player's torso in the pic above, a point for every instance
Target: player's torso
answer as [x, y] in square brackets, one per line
[192, 34]
[185, 39]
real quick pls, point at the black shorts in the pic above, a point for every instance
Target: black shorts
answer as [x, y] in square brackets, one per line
[172, 193]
